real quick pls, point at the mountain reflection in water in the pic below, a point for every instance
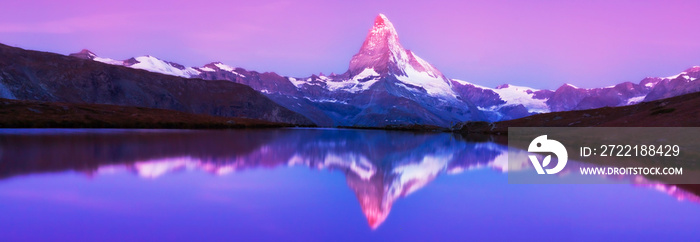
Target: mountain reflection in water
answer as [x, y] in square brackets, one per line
[379, 166]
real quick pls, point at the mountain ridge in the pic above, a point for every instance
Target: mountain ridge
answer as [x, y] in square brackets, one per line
[388, 85]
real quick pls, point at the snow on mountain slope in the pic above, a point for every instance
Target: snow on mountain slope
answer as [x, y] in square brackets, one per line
[148, 63]
[358, 83]
[108, 61]
[514, 95]
[153, 64]
[635, 100]
[509, 95]
[434, 85]
[686, 74]
[224, 67]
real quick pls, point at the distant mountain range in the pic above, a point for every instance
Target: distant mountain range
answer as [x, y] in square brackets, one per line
[385, 85]
[679, 111]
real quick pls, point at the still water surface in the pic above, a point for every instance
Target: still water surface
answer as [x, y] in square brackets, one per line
[306, 184]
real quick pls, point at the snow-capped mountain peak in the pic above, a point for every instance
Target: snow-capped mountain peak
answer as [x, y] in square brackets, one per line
[380, 48]
[382, 53]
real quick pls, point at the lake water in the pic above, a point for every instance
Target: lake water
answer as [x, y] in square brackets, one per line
[306, 184]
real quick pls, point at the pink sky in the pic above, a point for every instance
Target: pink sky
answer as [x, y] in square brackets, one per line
[542, 44]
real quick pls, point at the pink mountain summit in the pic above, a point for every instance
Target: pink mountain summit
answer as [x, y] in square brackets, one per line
[383, 53]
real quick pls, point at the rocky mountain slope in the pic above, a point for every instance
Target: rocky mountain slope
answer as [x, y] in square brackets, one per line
[32, 75]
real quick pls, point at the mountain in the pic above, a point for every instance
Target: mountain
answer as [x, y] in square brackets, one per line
[679, 111]
[148, 63]
[385, 85]
[382, 54]
[84, 54]
[507, 102]
[388, 85]
[32, 75]
[672, 86]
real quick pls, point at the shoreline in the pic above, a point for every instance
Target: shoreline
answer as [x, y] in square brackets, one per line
[680, 111]
[38, 114]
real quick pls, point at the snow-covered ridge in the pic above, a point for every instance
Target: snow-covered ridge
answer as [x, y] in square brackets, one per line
[615, 95]
[109, 61]
[153, 64]
[207, 69]
[358, 83]
[223, 67]
[412, 73]
[214, 66]
[466, 83]
[682, 74]
[385, 67]
[514, 95]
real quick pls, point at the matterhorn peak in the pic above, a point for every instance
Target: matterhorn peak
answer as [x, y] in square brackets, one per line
[379, 48]
[382, 54]
[384, 26]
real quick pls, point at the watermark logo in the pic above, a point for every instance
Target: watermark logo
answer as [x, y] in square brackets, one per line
[542, 144]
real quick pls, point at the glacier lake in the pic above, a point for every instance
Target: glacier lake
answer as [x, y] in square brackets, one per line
[306, 185]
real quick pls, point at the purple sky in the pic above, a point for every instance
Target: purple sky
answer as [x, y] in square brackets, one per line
[542, 44]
